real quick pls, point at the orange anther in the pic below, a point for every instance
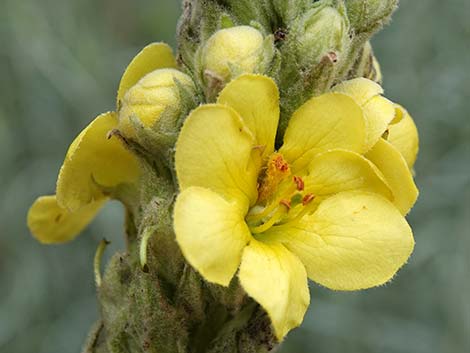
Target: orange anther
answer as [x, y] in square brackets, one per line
[281, 164]
[277, 169]
[299, 182]
[285, 203]
[307, 199]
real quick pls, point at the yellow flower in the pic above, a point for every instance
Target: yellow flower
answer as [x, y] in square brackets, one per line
[315, 208]
[95, 163]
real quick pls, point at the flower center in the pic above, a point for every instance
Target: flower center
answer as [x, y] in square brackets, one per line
[282, 199]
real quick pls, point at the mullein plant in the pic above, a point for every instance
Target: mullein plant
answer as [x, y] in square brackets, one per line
[263, 155]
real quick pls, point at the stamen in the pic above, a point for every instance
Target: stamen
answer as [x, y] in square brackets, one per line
[284, 190]
[286, 203]
[280, 212]
[290, 222]
[307, 209]
[281, 164]
[307, 199]
[281, 199]
[299, 182]
[277, 170]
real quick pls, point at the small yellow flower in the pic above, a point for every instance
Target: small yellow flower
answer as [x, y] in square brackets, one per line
[94, 163]
[316, 208]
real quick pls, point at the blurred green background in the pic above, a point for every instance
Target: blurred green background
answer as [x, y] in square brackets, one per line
[60, 62]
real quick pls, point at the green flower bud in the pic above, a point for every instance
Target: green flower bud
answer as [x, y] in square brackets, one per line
[154, 94]
[367, 15]
[322, 31]
[289, 10]
[232, 51]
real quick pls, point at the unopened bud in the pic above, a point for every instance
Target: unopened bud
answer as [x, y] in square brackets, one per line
[232, 51]
[288, 10]
[323, 30]
[366, 15]
[154, 94]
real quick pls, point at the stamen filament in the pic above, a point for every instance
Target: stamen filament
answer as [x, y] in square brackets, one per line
[257, 217]
[289, 222]
[280, 212]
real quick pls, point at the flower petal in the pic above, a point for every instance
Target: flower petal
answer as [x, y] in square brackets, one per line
[256, 99]
[211, 233]
[277, 280]
[397, 174]
[361, 89]
[50, 224]
[330, 121]
[94, 160]
[339, 170]
[214, 150]
[354, 240]
[378, 111]
[404, 137]
[154, 56]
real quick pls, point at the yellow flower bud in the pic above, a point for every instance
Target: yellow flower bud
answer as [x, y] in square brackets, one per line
[238, 49]
[321, 31]
[150, 97]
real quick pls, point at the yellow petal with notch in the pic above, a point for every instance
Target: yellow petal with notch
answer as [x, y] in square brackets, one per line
[256, 99]
[378, 111]
[94, 160]
[214, 150]
[397, 174]
[361, 89]
[211, 233]
[354, 240]
[404, 137]
[154, 56]
[330, 121]
[277, 280]
[50, 224]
